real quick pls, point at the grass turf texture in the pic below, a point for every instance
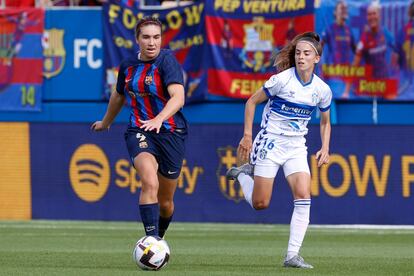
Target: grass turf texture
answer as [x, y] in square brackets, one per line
[105, 248]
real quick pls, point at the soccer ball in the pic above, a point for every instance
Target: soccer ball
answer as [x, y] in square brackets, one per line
[151, 253]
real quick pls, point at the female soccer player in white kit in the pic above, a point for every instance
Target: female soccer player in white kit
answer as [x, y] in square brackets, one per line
[292, 95]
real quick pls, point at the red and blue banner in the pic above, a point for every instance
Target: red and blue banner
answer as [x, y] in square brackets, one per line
[21, 59]
[243, 38]
[368, 48]
[226, 48]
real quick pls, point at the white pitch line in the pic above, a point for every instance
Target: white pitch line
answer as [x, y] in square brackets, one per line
[197, 226]
[363, 226]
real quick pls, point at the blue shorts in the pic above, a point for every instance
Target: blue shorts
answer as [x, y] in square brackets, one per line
[168, 149]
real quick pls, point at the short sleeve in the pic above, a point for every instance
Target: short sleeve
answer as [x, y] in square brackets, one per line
[326, 98]
[120, 83]
[171, 71]
[272, 86]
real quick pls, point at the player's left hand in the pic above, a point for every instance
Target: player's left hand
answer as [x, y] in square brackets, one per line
[322, 156]
[151, 125]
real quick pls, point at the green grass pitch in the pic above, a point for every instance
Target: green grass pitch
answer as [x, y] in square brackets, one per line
[105, 248]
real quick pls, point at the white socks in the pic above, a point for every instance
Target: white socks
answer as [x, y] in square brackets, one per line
[300, 217]
[247, 183]
[298, 226]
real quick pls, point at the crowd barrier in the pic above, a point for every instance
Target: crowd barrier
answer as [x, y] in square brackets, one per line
[66, 171]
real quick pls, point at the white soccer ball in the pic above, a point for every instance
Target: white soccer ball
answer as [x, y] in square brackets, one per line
[151, 253]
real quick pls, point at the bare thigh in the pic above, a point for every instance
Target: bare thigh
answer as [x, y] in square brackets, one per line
[300, 184]
[147, 167]
[262, 192]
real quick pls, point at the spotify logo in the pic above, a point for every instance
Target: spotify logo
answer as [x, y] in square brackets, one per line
[89, 172]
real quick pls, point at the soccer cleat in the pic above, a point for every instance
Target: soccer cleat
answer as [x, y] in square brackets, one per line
[296, 262]
[234, 172]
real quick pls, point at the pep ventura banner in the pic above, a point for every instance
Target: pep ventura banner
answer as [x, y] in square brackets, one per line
[368, 48]
[21, 59]
[226, 47]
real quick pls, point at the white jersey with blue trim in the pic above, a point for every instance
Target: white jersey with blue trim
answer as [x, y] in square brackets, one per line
[291, 102]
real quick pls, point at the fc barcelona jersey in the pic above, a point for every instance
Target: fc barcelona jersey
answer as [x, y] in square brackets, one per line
[144, 84]
[340, 44]
[376, 50]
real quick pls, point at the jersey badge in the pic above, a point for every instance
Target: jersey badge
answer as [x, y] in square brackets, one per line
[148, 80]
[263, 154]
[143, 145]
[315, 98]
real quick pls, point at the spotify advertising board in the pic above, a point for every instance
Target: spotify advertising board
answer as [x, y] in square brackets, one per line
[84, 175]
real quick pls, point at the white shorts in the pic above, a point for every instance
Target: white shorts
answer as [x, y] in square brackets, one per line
[270, 151]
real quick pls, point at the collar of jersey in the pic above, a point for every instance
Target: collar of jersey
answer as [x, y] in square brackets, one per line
[301, 82]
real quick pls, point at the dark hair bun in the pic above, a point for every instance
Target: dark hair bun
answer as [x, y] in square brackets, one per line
[312, 35]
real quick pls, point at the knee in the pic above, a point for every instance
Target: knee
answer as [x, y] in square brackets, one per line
[147, 173]
[302, 195]
[260, 204]
[166, 205]
[149, 185]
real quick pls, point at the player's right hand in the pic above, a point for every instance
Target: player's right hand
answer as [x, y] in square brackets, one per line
[243, 150]
[98, 126]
